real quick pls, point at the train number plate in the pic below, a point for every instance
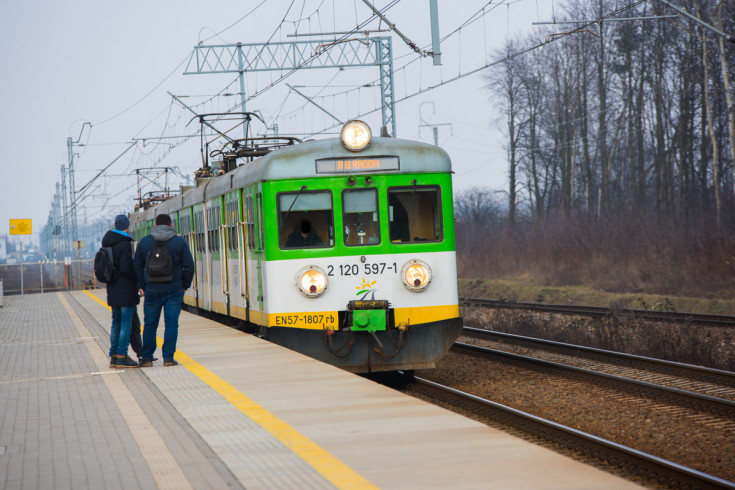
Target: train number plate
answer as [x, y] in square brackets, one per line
[367, 269]
[313, 321]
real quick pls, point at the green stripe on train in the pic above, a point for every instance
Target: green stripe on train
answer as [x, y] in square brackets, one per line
[339, 184]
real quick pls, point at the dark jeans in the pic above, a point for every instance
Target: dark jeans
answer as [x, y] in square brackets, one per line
[170, 302]
[136, 342]
[122, 319]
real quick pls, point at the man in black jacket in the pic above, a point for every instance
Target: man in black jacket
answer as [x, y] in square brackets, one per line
[165, 295]
[122, 292]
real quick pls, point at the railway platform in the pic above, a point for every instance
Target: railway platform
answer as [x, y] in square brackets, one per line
[238, 412]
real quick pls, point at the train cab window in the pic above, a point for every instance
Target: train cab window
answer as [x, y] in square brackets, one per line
[414, 214]
[360, 217]
[305, 220]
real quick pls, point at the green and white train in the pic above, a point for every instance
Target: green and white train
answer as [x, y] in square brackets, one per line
[367, 280]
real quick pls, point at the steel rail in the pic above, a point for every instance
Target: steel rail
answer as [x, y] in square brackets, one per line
[599, 311]
[680, 366]
[634, 461]
[712, 404]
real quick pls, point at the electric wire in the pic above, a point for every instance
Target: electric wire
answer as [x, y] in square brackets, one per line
[480, 14]
[145, 96]
[507, 58]
[234, 23]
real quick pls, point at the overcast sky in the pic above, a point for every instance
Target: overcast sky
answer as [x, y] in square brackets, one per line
[112, 64]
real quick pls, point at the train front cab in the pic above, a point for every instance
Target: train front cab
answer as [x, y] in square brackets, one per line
[377, 290]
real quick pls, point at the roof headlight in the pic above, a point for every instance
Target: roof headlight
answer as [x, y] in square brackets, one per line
[416, 275]
[356, 135]
[311, 281]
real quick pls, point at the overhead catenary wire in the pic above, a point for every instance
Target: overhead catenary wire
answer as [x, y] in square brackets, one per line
[462, 74]
[504, 59]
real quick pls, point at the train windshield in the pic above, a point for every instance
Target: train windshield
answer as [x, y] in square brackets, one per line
[415, 214]
[305, 219]
[360, 208]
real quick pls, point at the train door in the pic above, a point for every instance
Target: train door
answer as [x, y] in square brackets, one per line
[260, 253]
[186, 231]
[215, 257]
[200, 248]
[243, 215]
[230, 220]
[254, 256]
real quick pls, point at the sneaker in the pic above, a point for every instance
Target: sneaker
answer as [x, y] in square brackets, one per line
[146, 362]
[125, 362]
[170, 362]
[113, 362]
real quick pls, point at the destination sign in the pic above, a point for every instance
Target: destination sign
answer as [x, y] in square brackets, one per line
[356, 165]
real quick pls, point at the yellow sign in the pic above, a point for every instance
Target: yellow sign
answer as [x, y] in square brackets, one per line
[78, 244]
[20, 227]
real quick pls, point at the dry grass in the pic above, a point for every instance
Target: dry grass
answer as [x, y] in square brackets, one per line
[630, 256]
[526, 290]
[628, 262]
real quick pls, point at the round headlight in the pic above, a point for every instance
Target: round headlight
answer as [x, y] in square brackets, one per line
[416, 275]
[356, 135]
[311, 281]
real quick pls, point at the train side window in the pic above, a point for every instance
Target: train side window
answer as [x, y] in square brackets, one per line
[250, 222]
[305, 220]
[185, 225]
[199, 230]
[414, 214]
[217, 227]
[261, 223]
[231, 218]
[209, 229]
[213, 223]
[360, 217]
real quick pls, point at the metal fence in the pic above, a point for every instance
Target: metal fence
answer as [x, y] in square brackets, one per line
[43, 277]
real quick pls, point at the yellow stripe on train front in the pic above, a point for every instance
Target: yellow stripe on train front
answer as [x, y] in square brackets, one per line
[320, 320]
[425, 314]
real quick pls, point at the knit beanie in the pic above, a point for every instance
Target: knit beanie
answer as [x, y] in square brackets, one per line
[121, 222]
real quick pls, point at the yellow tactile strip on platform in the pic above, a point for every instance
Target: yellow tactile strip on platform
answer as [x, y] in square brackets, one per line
[268, 433]
[165, 469]
[256, 458]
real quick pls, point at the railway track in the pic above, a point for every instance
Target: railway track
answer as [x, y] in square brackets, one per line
[675, 412]
[595, 311]
[632, 461]
[674, 377]
[721, 411]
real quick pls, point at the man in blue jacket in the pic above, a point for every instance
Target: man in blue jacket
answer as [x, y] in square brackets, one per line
[167, 296]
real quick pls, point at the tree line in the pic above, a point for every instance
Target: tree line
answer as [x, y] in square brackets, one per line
[621, 116]
[621, 148]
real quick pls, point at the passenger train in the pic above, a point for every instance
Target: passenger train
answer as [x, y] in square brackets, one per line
[342, 249]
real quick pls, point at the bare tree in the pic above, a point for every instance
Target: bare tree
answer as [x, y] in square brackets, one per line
[505, 82]
[632, 121]
[710, 129]
[726, 84]
[476, 211]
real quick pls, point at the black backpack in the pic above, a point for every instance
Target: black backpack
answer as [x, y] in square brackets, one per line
[104, 268]
[158, 263]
